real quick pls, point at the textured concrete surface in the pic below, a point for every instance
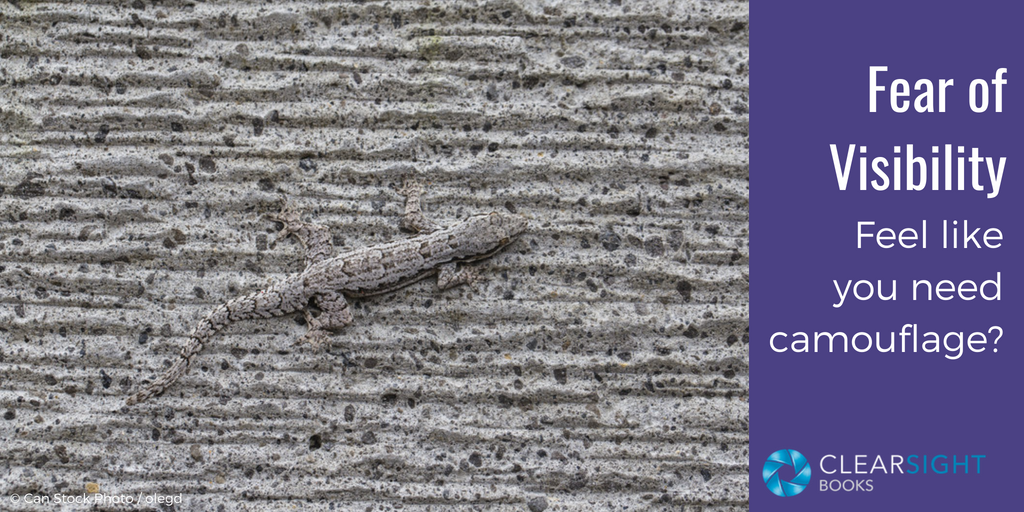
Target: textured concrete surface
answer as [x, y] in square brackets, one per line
[602, 366]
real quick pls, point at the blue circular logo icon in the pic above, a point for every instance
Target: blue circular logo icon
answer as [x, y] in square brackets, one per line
[796, 462]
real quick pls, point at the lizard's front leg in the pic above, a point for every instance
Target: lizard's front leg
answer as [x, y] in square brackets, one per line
[316, 239]
[414, 220]
[334, 314]
[451, 275]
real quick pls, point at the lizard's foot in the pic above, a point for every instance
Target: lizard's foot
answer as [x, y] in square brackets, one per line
[411, 187]
[475, 278]
[318, 339]
[452, 275]
[289, 217]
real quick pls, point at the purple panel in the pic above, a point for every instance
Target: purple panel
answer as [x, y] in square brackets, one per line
[810, 88]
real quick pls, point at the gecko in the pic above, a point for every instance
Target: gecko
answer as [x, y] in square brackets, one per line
[328, 279]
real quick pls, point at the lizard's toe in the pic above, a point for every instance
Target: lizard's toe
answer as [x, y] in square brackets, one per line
[287, 215]
[318, 339]
[288, 218]
[410, 186]
[473, 276]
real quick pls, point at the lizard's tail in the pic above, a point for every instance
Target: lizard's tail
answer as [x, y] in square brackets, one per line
[264, 304]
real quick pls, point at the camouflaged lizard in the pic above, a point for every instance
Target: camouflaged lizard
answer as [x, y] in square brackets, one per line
[328, 279]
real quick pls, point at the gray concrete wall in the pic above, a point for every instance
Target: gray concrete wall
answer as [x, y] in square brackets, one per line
[602, 365]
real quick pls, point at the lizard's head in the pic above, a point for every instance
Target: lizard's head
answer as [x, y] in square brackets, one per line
[512, 225]
[489, 232]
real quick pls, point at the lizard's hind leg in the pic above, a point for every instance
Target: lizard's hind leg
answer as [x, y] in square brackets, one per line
[316, 239]
[334, 314]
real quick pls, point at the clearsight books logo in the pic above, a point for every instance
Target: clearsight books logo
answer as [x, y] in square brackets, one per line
[788, 472]
[796, 462]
